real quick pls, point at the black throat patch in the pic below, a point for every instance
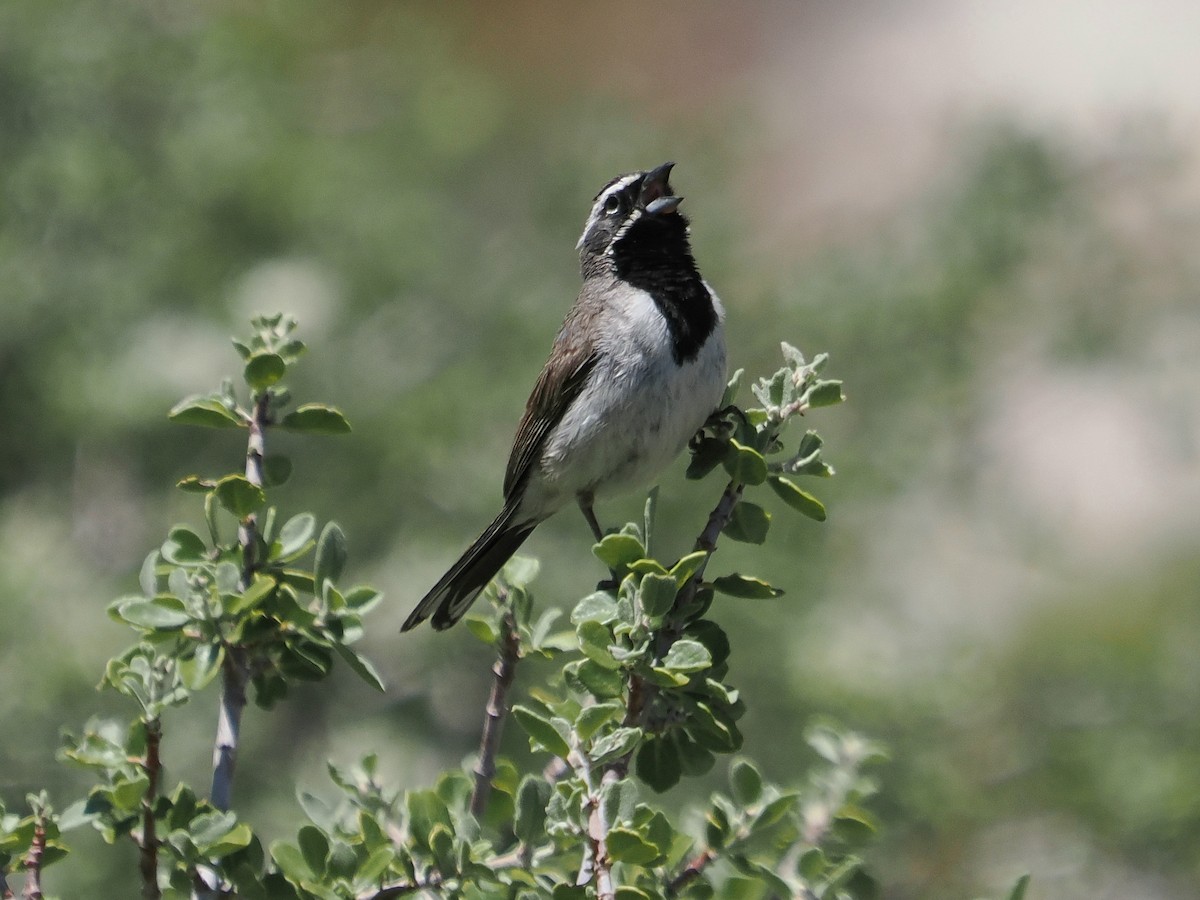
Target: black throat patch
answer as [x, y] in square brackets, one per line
[654, 255]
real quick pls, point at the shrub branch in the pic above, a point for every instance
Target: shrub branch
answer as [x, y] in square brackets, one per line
[503, 672]
[235, 670]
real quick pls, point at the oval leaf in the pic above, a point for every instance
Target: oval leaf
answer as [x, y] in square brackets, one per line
[687, 656]
[619, 550]
[295, 535]
[263, 370]
[316, 418]
[749, 523]
[801, 501]
[204, 411]
[160, 614]
[361, 666]
[746, 587]
[277, 469]
[541, 732]
[183, 546]
[745, 464]
[331, 554]
[239, 495]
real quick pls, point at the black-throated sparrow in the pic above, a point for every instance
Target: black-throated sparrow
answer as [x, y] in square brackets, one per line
[635, 371]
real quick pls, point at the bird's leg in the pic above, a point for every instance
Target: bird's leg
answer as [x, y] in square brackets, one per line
[585, 506]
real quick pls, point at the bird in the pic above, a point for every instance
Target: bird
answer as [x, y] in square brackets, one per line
[634, 373]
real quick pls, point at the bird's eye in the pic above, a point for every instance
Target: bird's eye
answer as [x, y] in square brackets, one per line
[612, 204]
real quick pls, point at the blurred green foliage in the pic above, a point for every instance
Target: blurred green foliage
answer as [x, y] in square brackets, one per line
[170, 169]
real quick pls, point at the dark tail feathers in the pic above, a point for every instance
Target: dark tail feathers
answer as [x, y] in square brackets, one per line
[452, 596]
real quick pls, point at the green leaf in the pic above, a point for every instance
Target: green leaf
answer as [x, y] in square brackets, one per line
[291, 862]
[361, 666]
[687, 656]
[1018, 890]
[207, 828]
[331, 554]
[594, 642]
[235, 839]
[775, 810]
[315, 848]
[263, 370]
[745, 586]
[694, 760]
[657, 763]
[598, 680]
[615, 744]
[199, 669]
[825, 393]
[592, 717]
[541, 732]
[127, 795]
[295, 535]
[482, 629]
[626, 845]
[597, 607]
[260, 588]
[688, 566]
[657, 594]
[277, 469]
[800, 500]
[813, 864]
[362, 599]
[371, 871]
[194, 484]
[148, 574]
[520, 571]
[533, 796]
[749, 523]
[426, 813]
[316, 418]
[854, 826]
[731, 389]
[160, 613]
[239, 495]
[709, 454]
[204, 411]
[618, 551]
[183, 546]
[647, 567]
[745, 782]
[745, 464]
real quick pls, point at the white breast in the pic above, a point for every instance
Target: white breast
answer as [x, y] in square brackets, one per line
[638, 412]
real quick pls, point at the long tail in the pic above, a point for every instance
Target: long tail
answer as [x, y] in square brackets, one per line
[454, 593]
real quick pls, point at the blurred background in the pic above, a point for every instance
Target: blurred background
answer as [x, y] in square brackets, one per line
[988, 214]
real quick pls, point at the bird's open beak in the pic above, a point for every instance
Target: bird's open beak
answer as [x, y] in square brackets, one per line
[657, 198]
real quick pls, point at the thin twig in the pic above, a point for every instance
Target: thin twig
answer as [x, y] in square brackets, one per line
[597, 864]
[503, 671]
[402, 888]
[33, 863]
[148, 842]
[235, 670]
[696, 865]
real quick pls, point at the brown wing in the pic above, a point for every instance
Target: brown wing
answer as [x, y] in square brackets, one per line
[562, 378]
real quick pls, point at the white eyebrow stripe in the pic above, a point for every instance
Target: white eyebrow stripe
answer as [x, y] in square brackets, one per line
[598, 205]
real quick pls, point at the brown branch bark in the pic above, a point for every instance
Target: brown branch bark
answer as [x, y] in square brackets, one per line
[689, 873]
[503, 672]
[148, 843]
[33, 864]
